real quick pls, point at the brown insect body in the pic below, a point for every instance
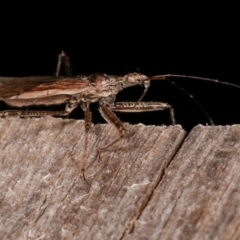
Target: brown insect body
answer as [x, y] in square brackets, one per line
[28, 91]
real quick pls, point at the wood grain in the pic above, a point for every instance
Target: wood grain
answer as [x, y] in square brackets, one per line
[153, 184]
[43, 194]
[199, 195]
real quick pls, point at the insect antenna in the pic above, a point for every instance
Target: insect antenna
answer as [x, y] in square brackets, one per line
[194, 99]
[167, 76]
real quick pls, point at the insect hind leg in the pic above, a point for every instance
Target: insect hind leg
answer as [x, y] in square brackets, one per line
[63, 59]
[31, 113]
[70, 106]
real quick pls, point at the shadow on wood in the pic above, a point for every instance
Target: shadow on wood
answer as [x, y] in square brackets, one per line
[138, 189]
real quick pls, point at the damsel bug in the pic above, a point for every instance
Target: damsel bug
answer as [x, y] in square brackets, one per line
[81, 91]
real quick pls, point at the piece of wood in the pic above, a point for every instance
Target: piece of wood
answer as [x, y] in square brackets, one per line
[43, 194]
[138, 189]
[199, 195]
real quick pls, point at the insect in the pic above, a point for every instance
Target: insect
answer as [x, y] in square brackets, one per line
[81, 91]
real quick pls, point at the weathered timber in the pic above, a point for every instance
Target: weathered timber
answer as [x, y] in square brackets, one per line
[199, 195]
[144, 187]
[43, 194]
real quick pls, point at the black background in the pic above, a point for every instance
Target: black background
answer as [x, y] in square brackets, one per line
[191, 40]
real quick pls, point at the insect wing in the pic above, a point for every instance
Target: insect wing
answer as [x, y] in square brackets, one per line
[37, 87]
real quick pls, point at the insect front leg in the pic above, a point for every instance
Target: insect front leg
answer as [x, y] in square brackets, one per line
[143, 107]
[110, 117]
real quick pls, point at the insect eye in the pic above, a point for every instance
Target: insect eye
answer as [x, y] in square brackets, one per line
[96, 77]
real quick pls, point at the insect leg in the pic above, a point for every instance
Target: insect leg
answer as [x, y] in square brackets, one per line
[31, 113]
[63, 59]
[110, 117]
[88, 123]
[70, 106]
[143, 107]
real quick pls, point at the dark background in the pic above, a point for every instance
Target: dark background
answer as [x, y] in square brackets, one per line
[122, 39]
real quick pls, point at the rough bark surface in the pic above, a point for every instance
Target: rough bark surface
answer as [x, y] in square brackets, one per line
[43, 194]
